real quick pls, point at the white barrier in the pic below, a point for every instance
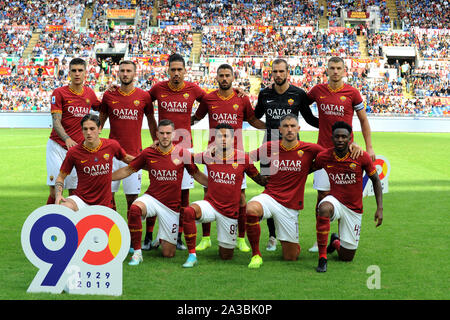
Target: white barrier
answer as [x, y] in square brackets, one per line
[377, 123]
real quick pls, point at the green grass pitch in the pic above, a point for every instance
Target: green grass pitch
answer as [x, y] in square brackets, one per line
[411, 248]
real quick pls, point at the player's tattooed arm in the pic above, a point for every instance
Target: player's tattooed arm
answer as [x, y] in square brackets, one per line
[260, 179]
[57, 125]
[59, 186]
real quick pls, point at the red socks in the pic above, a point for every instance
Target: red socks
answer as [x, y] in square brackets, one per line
[135, 226]
[150, 223]
[184, 204]
[190, 229]
[322, 229]
[242, 218]
[253, 233]
[51, 200]
[206, 227]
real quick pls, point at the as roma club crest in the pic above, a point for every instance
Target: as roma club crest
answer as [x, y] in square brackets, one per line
[291, 102]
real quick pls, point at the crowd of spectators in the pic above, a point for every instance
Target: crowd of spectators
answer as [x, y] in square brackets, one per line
[280, 41]
[428, 14]
[198, 13]
[263, 31]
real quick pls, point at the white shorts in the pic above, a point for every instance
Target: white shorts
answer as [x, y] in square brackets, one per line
[188, 180]
[321, 181]
[285, 219]
[168, 219]
[131, 184]
[244, 180]
[349, 223]
[80, 203]
[227, 228]
[54, 157]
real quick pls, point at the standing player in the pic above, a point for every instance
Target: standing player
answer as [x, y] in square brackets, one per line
[175, 100]
[290, 163]
[336, 101]
[275, 102]
[225, 106]
[69, 104]
[92, 160]
[344, 202]
[125, 107]
[165, 165]
[226, 166]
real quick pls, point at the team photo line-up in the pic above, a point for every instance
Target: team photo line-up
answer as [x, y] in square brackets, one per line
[91, 168]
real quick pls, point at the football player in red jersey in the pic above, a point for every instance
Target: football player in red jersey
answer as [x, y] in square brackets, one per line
[125, 107]
[337, 101]
[175, 98]
[344, 202]
[226, 106]
[92, 160]
[165, 164]
[290, 163]
[69, 104]
[226, 166]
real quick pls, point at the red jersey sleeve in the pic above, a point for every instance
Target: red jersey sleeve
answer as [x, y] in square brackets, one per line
[68, 163]
[95, 102]
[119, 152]
[248, 109]
[139, 162]
[357, 101]
[312, 94]
[148, 109]
[368, 165]
[153, 92]
[202, 110]
[199, 93]
[319, 162]
[250, 170]
[56, 102]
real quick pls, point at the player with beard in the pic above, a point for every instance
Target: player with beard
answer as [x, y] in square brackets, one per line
[226, 106]
[226, 166]
[125, 107]
[274, 102]
[165, 164]
[290, 163]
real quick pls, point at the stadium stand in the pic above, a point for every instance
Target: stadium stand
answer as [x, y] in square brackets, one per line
[396, 51]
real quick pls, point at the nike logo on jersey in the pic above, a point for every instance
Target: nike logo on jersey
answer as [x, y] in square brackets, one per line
[153, 161]
[269, 101]
[83, 161]
[114, 102]
[164, 95]
[215, 107]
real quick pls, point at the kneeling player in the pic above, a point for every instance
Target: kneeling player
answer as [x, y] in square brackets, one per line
[344, 203]
[226, 166]
[92, 160]
[165, 165]
[290, 163]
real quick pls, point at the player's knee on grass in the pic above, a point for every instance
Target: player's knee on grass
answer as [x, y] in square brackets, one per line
[325, 209]
[168, 249]
[291, 250]
[225, 254]
[346, 255]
